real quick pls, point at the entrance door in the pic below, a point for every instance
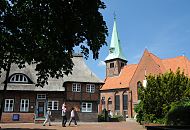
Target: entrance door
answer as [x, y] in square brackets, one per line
[40, 109]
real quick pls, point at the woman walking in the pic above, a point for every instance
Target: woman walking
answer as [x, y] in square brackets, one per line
[64, 120]
[72, 117]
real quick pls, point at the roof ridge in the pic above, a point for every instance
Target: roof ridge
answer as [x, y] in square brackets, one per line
[160, 62]
[175, 58]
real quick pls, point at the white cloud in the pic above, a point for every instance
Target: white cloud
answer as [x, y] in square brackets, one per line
[101, 63]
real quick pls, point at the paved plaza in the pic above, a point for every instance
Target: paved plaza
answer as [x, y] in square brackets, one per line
[128, 125]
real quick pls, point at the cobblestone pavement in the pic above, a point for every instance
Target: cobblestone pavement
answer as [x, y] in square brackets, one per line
[128, 125]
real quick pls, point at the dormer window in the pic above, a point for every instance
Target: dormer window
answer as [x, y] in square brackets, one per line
[19, 78]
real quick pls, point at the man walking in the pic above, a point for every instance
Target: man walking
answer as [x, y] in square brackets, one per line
[48, 116]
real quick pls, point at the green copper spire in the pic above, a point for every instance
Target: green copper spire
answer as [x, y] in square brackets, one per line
[115, 50]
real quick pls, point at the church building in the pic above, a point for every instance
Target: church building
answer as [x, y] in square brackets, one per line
[119, 93]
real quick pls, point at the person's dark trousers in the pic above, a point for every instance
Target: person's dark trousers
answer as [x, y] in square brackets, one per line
[72, 119]
[64, 121]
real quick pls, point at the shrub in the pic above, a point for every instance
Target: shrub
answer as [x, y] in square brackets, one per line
[118, 117]
[179, 113]
[101, 118]
[162, 94]
[138, 110]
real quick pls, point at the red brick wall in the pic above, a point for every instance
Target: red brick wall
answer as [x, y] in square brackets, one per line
[111, 94]
[28, 116]
[148, 64]
[24, 117]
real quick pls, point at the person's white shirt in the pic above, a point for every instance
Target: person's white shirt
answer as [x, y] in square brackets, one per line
[72, 113]
[63, 106]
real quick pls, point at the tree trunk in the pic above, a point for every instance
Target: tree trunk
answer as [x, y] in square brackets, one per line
[4, 90]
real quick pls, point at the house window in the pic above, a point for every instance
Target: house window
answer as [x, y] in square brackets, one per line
[90, 88]
[76, 87]
[125, 102]
[117, 102]
[19, 78]
[9, 103]
[86, 107]
[53, 105]
[41, 96]
[111, 65]
[24, 105]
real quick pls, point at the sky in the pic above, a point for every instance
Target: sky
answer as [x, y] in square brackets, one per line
[161, 26]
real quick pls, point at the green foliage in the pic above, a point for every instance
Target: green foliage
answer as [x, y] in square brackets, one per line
[104, 117]
[117, 118]
[161, 91]
[101, 118]
[138, 110]
[179, 113]
[45, 32]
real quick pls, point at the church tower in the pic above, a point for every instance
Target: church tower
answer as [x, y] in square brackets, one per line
[115, 60]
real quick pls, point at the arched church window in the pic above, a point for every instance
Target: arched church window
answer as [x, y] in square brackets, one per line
[139, 84]
[109, 101]
[103, 100]
[18, 78]
[117, 102]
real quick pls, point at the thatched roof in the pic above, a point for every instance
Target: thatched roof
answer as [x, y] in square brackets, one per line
[80, 73]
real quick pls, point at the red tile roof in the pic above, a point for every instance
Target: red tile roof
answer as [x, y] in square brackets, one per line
[158, 61]
[178, 62]
[121, 81]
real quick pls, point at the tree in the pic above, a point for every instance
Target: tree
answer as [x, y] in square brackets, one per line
[161, 91]
[45, 32]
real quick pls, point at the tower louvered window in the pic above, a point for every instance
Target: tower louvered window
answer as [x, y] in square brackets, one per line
[111, 65]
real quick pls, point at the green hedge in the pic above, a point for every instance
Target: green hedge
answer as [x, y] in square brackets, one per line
[179, 114]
